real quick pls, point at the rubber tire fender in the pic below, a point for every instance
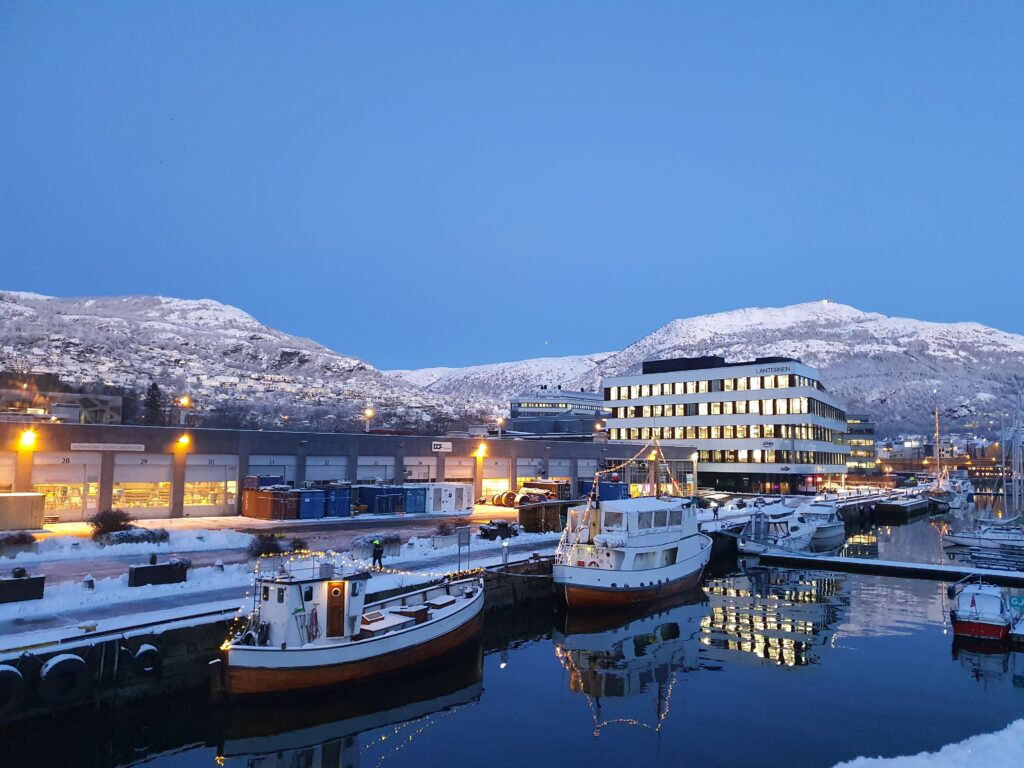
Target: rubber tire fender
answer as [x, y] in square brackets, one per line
[12, 690]
[64, 679]
[147, 660]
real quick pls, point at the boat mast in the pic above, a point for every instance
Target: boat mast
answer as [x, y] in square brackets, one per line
[938, 452]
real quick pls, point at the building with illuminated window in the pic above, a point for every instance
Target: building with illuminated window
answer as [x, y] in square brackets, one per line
[764, 426]
[860, 439]
[557, 411]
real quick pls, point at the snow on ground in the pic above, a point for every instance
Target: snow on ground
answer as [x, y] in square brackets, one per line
[75, 548]
[417, 549]
[1005, 747]
[69, 595]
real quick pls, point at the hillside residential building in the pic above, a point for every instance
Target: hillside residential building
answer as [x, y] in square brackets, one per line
[764, 426]
[557, 411]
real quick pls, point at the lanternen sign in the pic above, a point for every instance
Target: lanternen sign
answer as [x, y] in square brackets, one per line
[774, 369]
[108, 447]
[439, 446]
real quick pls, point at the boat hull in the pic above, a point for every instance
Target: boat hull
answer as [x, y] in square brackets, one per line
[982, 630]
[246, 680]
[607, 597]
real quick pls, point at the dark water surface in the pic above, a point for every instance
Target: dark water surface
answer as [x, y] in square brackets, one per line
[762, 667]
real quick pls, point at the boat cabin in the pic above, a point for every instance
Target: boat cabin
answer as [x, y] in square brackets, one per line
[304, 602]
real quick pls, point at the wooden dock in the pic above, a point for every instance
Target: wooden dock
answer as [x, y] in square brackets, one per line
[925, 571]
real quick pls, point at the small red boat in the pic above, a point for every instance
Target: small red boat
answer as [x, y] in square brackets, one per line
[981, 611]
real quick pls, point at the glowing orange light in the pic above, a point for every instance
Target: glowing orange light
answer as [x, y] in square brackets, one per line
[184, 440]
[28, 439]
[481, 450]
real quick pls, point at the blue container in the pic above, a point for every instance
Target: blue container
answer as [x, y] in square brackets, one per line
[330, 501]
[389, 503]
[415, 500]
[607, 491]
[311, 504]
[265, 480]
[343, 503]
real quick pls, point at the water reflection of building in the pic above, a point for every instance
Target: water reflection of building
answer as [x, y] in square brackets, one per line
[773, 614]
[861, 545]
[627, 664]
[363, 727]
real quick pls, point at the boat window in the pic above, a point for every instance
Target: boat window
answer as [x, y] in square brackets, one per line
[675, 517]
[661, 518]
[280, 594]
[307, 595]
[644, 520]
[612, 519]
[266, 593]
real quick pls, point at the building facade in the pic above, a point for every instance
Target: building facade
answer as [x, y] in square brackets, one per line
[860, 439]
[763, 426]
[557, 411]
[155, 472]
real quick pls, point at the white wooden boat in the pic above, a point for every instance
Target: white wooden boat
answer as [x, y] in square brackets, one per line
[634, 550]
[309, 628]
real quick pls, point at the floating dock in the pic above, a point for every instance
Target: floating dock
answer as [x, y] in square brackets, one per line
[893, 568]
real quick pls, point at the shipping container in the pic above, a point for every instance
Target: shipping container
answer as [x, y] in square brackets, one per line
[607, 491]
[310, 504]
[415, 500]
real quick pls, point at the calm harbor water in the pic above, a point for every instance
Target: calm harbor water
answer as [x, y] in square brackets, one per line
[763, 666]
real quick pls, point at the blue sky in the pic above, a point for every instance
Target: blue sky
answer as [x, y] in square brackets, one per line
[447, 183]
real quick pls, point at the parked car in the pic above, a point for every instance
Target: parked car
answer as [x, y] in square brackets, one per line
[499, 529]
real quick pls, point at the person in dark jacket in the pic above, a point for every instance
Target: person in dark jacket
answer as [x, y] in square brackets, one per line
[378, 555]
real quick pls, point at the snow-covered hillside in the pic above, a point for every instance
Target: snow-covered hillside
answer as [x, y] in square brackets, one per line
[887, 367]
[217, 353]
[503, 381]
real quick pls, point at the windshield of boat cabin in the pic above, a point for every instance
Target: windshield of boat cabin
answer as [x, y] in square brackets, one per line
[613, 521]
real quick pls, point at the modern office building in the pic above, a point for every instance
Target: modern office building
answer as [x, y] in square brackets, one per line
[764, 426]
[860, 439]
[155, 472]
[557, 411]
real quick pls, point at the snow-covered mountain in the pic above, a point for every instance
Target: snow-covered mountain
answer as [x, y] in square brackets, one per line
[503, 381]
[217, 353]
[887, 367]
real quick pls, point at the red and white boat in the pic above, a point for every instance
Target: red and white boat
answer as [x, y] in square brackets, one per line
[309, 628]
[980, 610]
[615, 553]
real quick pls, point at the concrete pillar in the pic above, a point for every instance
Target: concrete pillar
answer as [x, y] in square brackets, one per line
[23, 471]
[478, 477]
[439, 467]
[106, 493]
[178, 484]
[574, 478]
[353, 464]
[513, 474]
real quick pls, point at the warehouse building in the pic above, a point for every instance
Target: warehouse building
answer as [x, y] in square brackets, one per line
[156, 472]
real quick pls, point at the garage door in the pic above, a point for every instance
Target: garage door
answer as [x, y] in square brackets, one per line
[70, 482]
[324, 468]
[211, 485]
[373, 468]
[559, 469]
[458, 470]
[263, 464]
[142, 484]
[420, 469]
[7, 462]
[495, 478]
[527, 470]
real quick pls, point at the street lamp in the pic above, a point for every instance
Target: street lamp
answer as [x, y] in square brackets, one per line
[501, 423]
[368, 414]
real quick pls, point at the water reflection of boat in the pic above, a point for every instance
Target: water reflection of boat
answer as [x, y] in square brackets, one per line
[629, 654]
[325, 729]
[989, 662]
[774, 614]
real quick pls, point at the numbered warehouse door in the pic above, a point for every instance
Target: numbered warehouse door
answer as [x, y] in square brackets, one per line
[69, 481]
[142, 484]
[277, 466]
[211, 485]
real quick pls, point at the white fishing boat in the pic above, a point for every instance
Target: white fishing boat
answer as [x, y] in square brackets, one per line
[634, 550]
[829, 528]
[728, 517]
[988, 537]
[775, 528]
[309, 628]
